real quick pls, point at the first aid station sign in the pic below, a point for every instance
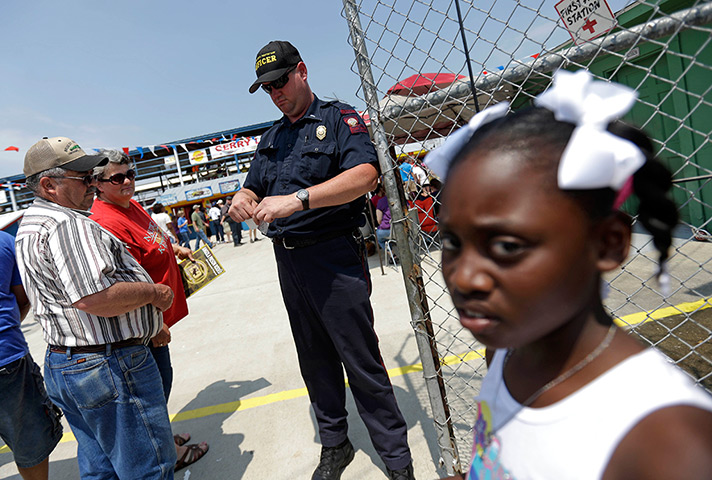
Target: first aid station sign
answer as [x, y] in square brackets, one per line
[586, 19]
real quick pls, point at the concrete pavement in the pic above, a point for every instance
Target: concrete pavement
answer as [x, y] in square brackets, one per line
[237, 383]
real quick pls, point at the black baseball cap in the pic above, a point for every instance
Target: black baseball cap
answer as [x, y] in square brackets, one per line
[273, 61]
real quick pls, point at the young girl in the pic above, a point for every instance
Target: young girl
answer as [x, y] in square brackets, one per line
[528, 226]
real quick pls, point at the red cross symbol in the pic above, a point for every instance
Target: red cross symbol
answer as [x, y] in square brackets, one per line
[589, 25]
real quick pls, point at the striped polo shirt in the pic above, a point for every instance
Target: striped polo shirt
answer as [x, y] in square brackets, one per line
[63, 256]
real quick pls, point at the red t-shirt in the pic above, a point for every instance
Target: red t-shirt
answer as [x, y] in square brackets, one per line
[375, 199]
[426, 214]
[149, 246]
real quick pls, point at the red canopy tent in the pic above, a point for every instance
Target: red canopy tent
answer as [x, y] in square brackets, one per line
[431, 120]
[423, 83]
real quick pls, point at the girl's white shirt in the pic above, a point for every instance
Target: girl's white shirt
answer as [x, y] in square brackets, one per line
[576, 437]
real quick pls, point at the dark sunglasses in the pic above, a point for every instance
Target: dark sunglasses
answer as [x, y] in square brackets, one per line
[279, 83]
[87, 179]
[120, 178]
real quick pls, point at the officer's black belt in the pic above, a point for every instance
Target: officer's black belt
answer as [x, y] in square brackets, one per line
[300, 242]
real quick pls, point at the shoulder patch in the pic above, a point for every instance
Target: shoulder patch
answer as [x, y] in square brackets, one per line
[354, 124]
[348, 111]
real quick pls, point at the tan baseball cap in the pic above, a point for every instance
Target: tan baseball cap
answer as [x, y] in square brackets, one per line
[59, 152]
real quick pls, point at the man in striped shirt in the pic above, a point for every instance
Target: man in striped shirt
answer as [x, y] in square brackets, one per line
[98, 308]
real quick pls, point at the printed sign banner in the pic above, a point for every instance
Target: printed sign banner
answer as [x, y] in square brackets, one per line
[586, 19]
[229, 186]
[166, 200]
[197, 157]
[243, 145]
[197, 193]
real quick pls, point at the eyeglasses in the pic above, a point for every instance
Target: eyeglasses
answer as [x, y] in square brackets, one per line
[87, 179]
[279, 83]
[120, 178]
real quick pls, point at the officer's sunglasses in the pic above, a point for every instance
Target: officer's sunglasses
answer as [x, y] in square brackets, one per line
[120, 178]
[279, 83]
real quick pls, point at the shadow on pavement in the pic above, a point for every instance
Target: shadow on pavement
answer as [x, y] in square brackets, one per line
[225, 459]
[59, 469]
[412, 400]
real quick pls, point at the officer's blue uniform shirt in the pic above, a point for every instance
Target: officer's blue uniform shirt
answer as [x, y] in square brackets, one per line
[329, 139]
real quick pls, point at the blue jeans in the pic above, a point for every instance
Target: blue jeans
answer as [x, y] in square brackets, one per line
[382, 235]
[162, 356]
[236, 230]
[200, 235]
[115, 404]
[184, 239]
[217, 229]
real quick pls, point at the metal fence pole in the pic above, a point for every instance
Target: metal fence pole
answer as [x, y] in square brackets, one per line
[415, 290]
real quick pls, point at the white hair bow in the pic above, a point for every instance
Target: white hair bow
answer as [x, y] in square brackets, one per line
[593, 157]
[439, 160]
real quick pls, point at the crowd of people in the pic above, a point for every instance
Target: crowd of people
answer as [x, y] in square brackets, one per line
[210, 226]
[523, 267]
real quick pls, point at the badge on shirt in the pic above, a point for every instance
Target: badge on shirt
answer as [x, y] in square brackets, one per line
[321, 132]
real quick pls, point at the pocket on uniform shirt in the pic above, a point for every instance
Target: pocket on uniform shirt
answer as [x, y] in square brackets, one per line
[317, 158]
[268, 163]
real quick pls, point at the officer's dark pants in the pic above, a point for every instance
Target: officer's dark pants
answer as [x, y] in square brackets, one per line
[326, 289]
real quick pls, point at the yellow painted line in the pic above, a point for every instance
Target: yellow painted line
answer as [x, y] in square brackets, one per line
[643, 317]
[240, 405]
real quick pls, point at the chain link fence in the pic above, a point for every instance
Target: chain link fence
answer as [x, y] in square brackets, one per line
[420, 62]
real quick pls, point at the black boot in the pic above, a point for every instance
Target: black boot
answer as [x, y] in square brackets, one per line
[333, 461]
[402, 473]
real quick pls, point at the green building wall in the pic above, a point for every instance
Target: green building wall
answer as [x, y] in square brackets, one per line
[673, 78]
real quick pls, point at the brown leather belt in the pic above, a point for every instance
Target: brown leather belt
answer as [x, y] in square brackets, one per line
[299, 242]
[96, 348]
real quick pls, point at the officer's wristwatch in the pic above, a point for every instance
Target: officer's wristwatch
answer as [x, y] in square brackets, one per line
[303, 196]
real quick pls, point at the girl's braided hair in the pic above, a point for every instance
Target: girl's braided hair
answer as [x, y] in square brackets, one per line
[541, 139]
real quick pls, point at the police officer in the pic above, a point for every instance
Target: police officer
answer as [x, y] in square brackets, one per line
[308, 179]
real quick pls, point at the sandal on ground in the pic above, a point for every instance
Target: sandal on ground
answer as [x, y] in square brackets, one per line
[193, 453]
[181, 439]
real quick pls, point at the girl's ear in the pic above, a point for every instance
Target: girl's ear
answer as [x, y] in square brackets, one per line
[614, 234]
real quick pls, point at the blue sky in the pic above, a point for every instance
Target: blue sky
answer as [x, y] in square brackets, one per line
[137, 73]
[130, 73]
